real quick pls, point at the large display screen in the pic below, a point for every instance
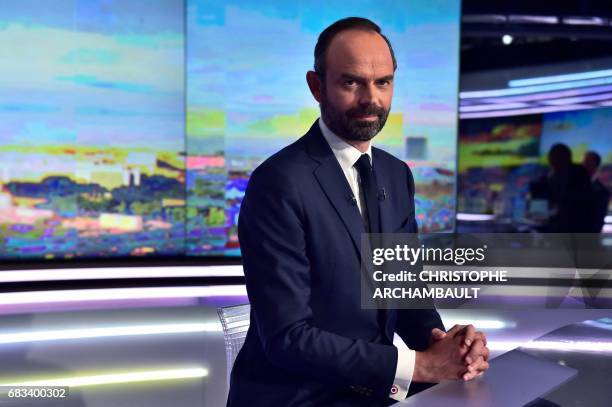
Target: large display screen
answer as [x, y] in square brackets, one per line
[130, 127]
[499, 157]
[91, 128]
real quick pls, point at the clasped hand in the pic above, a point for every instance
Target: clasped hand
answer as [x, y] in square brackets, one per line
[460, 353]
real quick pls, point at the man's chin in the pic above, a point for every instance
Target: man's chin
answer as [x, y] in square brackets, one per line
[364, 132]
[361, 137]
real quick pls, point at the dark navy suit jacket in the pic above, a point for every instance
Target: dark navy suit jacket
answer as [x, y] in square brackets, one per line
[309, 342]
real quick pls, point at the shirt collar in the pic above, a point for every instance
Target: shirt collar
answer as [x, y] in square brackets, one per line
[346, 154]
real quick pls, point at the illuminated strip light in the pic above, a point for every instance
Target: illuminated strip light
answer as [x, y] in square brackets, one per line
[484, 18]
[560, 78]
[517, 112]
[105, 332]
[608, 219]
[119, 273]
[530, 19]
[569, 346]
[535, 294]
[584, 21]
[493, 106]
[539, 294]
[544, 95]
[478, 323]
[546, 272]
[605, 103]
[578, 99]
[115, 378]
[474, 217]
[535, 88]
[113, 294]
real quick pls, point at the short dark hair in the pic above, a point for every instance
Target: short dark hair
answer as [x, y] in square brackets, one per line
[595, 156]
[560, 155]
[328, 34]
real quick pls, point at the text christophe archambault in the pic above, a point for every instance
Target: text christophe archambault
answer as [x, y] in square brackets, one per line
[423, 283]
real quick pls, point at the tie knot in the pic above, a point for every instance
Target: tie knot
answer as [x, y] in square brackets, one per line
[363, 164]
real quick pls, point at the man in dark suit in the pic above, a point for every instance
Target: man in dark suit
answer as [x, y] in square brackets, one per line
[568, 191]
[310, 343]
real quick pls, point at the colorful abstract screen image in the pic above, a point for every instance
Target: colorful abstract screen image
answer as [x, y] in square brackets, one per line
[91, 128]
[247, 98]
[130, 127]
[497, 160]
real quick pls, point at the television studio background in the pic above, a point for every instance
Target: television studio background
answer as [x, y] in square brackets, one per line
[128, 130]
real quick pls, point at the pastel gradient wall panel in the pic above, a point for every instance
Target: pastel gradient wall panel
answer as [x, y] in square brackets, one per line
[91, 128]
[247, 98]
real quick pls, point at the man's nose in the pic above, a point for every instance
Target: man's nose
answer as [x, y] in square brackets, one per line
[368, 95]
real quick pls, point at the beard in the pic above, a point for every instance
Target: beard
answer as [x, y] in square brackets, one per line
[346, 124]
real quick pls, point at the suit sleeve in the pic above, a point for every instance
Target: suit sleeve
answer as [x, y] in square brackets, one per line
[271, 230]
[414, 325]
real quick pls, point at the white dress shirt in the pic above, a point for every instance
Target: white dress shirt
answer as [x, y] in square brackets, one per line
[347, 156]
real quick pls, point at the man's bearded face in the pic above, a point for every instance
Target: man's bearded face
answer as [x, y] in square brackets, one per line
[359, 123]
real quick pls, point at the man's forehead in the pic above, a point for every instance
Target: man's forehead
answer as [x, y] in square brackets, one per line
[359, 49]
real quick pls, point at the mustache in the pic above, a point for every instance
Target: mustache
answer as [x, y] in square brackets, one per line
[366, 111]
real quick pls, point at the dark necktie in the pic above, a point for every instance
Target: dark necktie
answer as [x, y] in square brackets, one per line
[369, 191]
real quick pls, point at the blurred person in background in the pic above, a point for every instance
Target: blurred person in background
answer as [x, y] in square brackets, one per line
[568, 190]
[601, 195]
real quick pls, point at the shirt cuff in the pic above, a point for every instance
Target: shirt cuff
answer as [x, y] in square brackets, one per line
[406, 359]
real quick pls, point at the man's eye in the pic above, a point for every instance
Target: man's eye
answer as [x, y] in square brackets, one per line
[384, 83]
[350, 82]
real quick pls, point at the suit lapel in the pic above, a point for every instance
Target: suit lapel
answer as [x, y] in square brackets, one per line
[334, 184]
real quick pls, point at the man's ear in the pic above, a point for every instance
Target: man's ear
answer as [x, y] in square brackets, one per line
[314, 83]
